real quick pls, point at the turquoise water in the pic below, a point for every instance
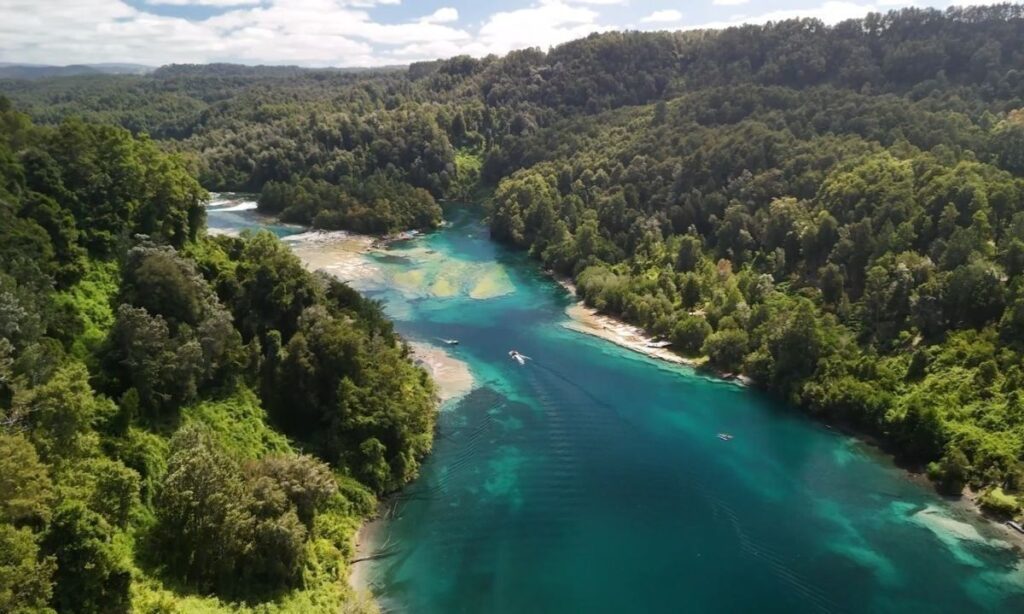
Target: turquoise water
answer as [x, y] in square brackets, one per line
[591, 478]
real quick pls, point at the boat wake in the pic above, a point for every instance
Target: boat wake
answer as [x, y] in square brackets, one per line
[243, 206]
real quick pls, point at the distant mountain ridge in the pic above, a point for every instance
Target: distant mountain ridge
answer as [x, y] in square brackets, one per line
[13, 70]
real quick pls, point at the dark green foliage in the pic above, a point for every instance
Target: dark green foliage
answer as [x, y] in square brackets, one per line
[307, 483]
[270, 289]
[727, 348]
[26, 492]
[836, 211]
[25, 575]
[93, 565]
[334, 387]
[121, 325]
[376, 205]
[141, 355]
[690, 333]
[201, 511]
[234, 530]
[838, 225]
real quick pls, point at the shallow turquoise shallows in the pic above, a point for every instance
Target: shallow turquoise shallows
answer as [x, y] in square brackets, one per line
[591, 479]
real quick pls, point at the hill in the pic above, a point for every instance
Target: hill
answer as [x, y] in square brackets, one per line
[187, 423]
[835, 211]
[43, 71]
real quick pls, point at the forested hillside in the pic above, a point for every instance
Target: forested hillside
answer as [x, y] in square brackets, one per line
[854, 245]
[185, 421]
[837, 212]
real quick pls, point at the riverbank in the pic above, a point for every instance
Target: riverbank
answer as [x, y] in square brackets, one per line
[969, 501]
[589, 321]
[358, 568]
[451, 376]
[453, 380]
[344, 255]
[511, 464]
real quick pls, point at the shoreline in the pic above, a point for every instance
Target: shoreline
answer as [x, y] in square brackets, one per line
[358, 571]
[341, 254]
[451, 376]
[453, 380]
[589, 321]
[968, 502]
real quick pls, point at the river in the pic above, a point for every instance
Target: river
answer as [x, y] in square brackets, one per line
[591, 479]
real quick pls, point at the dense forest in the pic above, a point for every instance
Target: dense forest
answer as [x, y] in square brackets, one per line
[835, 211]
[185, 421]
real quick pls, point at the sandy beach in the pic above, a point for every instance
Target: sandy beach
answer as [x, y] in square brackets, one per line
[358, 571]
[587, 320]
[366, 542]
[452, 376]
[968, 501]
[338, 253]
[453, 380]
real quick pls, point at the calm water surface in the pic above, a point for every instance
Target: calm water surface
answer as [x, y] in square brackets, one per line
[591, 479]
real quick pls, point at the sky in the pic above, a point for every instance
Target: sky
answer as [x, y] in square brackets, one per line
[359, 32]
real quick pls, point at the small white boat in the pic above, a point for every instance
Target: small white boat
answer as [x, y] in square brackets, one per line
[450, 341]
[725, 436]
[516, 356]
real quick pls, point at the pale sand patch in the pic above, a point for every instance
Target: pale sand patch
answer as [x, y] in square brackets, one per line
[452, 376]
[588, 321]
[443, 287]
[954, 534]
[969, 501]
[359, 570]
[492, 283]
[412, 281]
[338, 253]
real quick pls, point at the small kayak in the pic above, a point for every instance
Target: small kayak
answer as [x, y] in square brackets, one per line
[725, 436]
[450, 341]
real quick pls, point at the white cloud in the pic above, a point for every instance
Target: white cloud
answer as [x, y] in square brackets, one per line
[666, 16]
[441, 15]
[224, 3]
[544, 25]
[312, 32]
[321, 32]
[830, 13]
[729, 2]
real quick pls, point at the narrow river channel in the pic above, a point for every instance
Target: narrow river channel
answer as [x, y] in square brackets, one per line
[592, 479]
